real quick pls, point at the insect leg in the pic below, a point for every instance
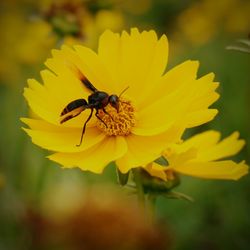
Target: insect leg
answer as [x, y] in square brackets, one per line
[84, 127]
[107, 113]
[99, 118]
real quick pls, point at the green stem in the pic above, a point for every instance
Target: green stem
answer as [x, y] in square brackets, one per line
[152, 206]
[139, 186]
[41, 179]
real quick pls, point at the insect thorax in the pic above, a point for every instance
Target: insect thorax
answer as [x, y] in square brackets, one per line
[98, 99]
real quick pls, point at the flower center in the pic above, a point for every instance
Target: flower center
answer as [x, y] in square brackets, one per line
[117, 123]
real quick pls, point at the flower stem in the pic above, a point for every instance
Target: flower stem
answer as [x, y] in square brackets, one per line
[151, 206]
[140, 189]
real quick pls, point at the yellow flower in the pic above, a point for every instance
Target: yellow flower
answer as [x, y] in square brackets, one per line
[205, 19]
[202, 156]
[153, 111]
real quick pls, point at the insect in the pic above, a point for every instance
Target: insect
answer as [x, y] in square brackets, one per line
[98, 100]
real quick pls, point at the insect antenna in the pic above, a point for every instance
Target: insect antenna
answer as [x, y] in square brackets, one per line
[123, 91]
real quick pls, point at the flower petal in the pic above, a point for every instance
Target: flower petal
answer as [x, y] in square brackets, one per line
[200, 142]
[67, 61]
[40, 102]
[103, 80]
[61, 139]
[178, 97]
[181, 74]
[63, 89]
[136, 60]
[109, 52]
[200, 117]
[48, 100]
[228, 147]
[213, 170]
[96, 158]
[161, 114]
[145, 149]
[156, 170]
[198, 112]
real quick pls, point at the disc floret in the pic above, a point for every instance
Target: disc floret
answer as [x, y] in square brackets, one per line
[117, 123]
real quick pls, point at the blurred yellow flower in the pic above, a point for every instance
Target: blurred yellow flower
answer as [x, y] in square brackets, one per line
[36, 42]
[202, 156]
[153, 111]
[72, 21]
[205, 19]
[31, 35]
[23, 42]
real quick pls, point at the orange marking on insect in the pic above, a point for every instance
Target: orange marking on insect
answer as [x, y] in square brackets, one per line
[68, 115]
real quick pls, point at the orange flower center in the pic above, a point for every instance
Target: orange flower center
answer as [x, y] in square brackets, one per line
[117, 123]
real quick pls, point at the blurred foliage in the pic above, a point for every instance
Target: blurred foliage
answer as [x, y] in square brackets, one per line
[198, 30]
[242, 46]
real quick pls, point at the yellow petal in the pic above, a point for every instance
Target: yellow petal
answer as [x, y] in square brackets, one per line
[228, 147]
[84, 59]
[145, 149]
[110, 54]
[65, 141]
[183, 73]
[214, 170]
[103, 79]
[96, 158]
[182, 158]
[136, 60]
[41, 125]
[40, 102]
[63, 89]
[156, 170]
[61, 139]
[180, 96]
[200, 117]
[201, 142]
[179, 102]
[205, 95]
[161, 114]
[205, 92]
[46, 103]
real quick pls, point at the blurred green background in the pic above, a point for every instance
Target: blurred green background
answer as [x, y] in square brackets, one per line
[198, 30]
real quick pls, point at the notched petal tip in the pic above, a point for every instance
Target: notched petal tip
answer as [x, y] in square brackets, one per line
[164, 39]
[55, 52]
[108, 32]
[66, 47]
[210, 76]
[134, 31]
[27, 131]
[25, 120]
[241, 169]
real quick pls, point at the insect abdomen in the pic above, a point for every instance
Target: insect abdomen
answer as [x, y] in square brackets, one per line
[73, 105]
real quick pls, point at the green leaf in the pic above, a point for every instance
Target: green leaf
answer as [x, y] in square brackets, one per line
[244, 41]
[238, 48]
[178, 195]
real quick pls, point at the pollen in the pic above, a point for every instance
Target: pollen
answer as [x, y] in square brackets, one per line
[117, 123]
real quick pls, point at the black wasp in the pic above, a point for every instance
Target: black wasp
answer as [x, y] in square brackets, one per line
[98, 100]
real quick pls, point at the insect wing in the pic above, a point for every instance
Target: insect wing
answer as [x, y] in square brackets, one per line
[88, 84]
[73, 109]
[81, 76]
